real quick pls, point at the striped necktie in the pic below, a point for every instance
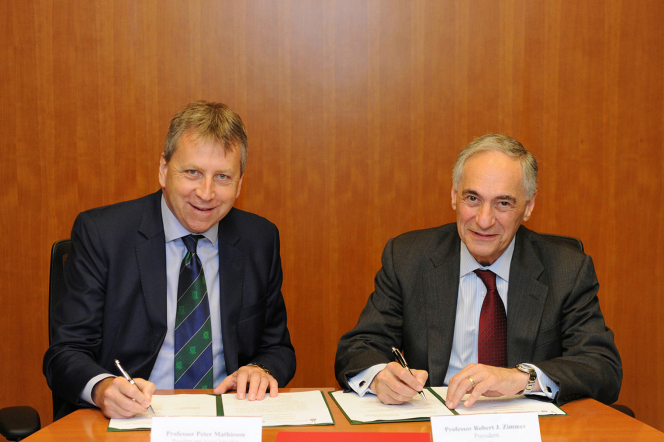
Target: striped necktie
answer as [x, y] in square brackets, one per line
[193, 332]
[492, 334]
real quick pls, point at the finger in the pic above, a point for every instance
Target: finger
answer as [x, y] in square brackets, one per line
[479, 390]
[117, 402]
[133, 392]
[254, 383]
[262, 388]
[146, 387]
[408, 379]
[228, 383]
[386, 394]
[242, 378]
[390, 389]
[274, 387]
[421, 376]
[463, 386]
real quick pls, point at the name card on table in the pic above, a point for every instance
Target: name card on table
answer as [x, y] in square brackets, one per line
[206, 429]
[523, 427]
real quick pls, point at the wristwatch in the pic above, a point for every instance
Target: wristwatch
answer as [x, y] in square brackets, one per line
[262, 367]
[531, 380]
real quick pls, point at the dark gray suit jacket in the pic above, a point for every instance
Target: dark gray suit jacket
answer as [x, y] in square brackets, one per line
[115, 305]
[553, 314]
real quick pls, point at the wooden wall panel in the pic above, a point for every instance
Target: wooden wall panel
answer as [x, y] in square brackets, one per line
[355, 112]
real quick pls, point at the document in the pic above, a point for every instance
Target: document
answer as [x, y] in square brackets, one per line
[522, 427]
[369, 408]
[176, 405]
[206, 429]
[300, 408]
[504, 404]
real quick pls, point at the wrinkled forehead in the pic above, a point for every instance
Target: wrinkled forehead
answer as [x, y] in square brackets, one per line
[492, 172]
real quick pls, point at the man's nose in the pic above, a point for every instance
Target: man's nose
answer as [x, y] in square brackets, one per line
[206, 189]
[485, 216]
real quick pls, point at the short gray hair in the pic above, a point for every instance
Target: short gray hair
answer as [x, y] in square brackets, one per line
[208, 122]
[506, 145]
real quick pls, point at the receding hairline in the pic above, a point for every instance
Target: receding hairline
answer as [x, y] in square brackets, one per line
[509, 147]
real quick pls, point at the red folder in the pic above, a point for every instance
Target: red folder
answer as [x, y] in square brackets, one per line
[326, 436]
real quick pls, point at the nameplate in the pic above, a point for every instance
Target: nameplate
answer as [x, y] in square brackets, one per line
[206, 429]
[486, 427]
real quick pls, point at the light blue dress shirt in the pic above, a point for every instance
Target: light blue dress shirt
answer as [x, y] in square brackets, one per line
[163, 371]
[207, 250]
[466, 326]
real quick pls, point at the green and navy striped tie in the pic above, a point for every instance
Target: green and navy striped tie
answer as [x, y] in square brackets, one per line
[193, 332]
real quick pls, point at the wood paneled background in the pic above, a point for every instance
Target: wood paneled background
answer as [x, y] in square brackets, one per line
[355, 111]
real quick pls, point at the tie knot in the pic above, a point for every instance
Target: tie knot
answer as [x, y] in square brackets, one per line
[190, 242]
[488, 278]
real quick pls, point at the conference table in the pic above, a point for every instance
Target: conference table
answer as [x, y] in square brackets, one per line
[587, 420]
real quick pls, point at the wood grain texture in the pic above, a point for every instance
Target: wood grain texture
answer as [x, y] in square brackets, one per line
[355, 112]
[587, 421]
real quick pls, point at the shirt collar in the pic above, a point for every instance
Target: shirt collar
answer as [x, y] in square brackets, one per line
[501, 267]
[173, 229]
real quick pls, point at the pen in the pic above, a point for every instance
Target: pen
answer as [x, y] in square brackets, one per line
[404, 364]
[131, 381]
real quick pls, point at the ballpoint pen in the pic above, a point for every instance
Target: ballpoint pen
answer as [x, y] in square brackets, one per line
[404, 364]
[131, 381]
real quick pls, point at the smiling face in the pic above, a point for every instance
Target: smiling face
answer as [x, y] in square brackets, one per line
[491, 204]
[200, 183]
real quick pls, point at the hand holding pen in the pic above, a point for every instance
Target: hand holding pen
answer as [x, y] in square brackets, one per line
[404, 364]
[131, 381]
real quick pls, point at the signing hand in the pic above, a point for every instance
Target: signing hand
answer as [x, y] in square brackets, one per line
[117, 398]
[394, 385]
[259, 381]
[489, 381]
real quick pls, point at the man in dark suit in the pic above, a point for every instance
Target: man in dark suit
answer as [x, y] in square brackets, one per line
[123, 272]
[432, 301]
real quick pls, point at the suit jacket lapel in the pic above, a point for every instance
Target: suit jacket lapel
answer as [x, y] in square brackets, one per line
[441, 288]
[231, 272]
[525, 301]
[151, 259]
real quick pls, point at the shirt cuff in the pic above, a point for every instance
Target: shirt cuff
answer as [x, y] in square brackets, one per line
[549, 388]
[360, 382]
[86, 394]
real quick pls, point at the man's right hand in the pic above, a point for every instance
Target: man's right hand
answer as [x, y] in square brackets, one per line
[394, 385]
[117, 398]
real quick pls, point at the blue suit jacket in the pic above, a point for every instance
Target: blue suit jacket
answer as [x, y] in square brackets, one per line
[115, 305]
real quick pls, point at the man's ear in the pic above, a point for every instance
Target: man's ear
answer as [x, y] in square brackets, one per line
[454, 195]
[530, 205]
[239, 186]
[163, 167]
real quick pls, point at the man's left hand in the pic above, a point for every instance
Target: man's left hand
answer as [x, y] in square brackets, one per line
[489, 381]
[257, 380]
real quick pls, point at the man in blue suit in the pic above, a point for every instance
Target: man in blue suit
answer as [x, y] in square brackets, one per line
[122, 280]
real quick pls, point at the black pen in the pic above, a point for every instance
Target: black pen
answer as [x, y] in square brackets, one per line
[131, 381]
[404, 364]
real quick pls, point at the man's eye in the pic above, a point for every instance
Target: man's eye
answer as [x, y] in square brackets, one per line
[191, 172]
[471, 200]
[504, 205]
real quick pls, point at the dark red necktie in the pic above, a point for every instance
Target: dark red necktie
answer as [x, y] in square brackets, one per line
[492, 336]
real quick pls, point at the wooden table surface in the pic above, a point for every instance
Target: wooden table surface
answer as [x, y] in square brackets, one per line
[588, 420]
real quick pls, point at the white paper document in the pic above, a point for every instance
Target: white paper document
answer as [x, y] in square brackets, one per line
[370, 409]
[522, 427]
[300, 408]
[170, 406]
[206, 429]
[504, 404]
